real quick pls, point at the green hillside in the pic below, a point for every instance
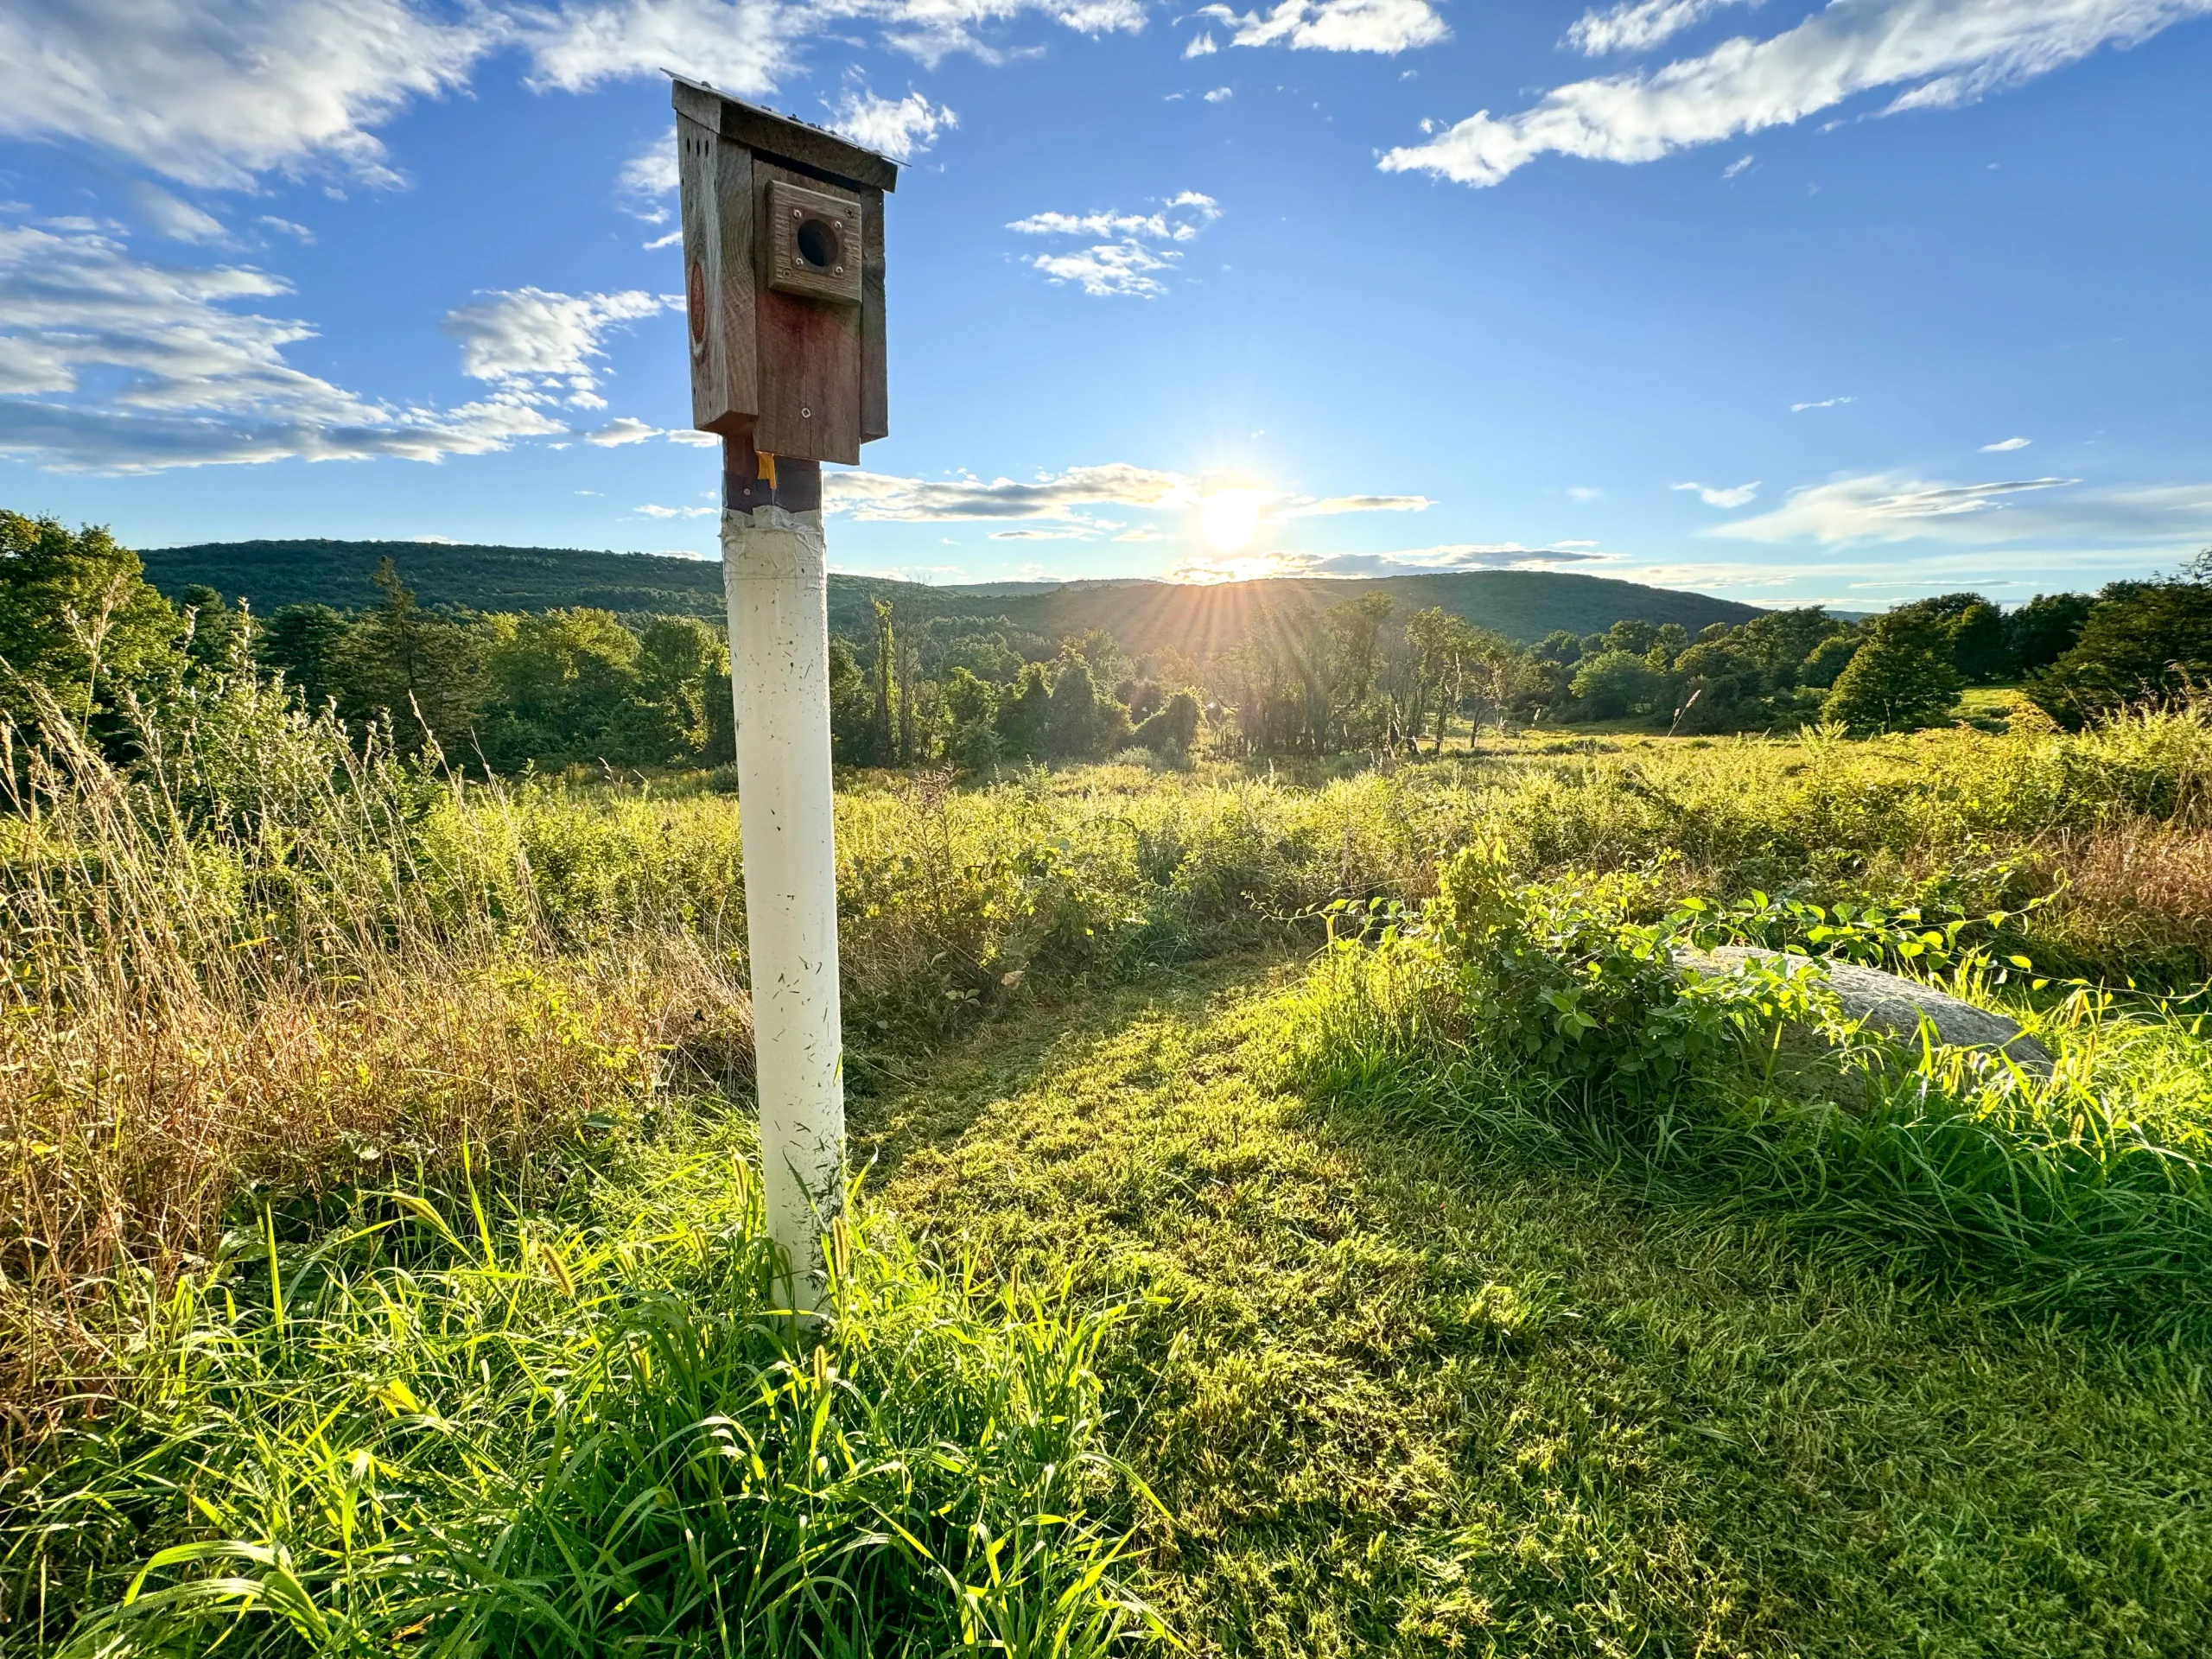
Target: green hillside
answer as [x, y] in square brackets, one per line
[1523, 605]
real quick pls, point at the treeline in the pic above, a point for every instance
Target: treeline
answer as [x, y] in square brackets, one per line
[81, 629]
[80, 624]
[1349, 677]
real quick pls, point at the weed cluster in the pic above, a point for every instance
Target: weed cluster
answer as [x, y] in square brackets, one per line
[599, 1433]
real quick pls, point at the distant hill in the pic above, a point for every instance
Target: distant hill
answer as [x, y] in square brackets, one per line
[1523, 605]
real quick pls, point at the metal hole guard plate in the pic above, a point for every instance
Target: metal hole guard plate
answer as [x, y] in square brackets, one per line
[797, 487]
[789, 206]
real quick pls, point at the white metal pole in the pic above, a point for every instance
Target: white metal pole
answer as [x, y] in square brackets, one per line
[775, 578]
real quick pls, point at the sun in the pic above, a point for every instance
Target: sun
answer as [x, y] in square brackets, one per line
[1229, 519]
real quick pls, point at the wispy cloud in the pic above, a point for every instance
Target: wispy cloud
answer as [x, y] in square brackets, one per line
[1825, 402]
[531, 342]
[1736, 497]
[1639, 25]
[216, 92]
[653, 509]
[112, 364]
[879, 497]
[1933, 53]
[900, 128]
[1419, 560]
[1894, 507]
[1126, 266]
[1384, 26]
[2004, 444]
[1201, 45]
[1067, 497]
[178, 220]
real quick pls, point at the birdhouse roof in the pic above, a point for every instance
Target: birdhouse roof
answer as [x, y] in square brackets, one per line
[798, 143]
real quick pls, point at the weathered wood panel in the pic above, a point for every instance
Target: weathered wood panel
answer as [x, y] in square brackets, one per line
[810, 365]
[715, 189]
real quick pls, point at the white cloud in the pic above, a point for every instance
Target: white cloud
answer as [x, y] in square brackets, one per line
[1891, 507]
[178, 220]
[1384, 26]
[879, 497]
[111, 363]
[1126, 267]
[1121, 269]
[648, 178]
[1741, 164]
[741, 46]
[1306, 507]
[1825, 402]
[621, 431]
[1220, 95]
[660, 242]
[1201, 45]
[299, 231]
[1423, 561]
[214, 92]
[1639, 25]
[1584, 493]
[900, 128]
[1062, 498]
[2004, 444]
[1739, 496]
[1182, 218]
[1939, 52]
[652, 510]
[748, 47]
[529, 342]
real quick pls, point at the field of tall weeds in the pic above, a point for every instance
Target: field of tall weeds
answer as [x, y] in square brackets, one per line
[269, 985]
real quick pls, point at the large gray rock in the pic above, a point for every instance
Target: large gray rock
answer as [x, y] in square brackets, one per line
[1895, 1006]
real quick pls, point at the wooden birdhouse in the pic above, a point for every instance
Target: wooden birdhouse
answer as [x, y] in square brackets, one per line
[783, 277]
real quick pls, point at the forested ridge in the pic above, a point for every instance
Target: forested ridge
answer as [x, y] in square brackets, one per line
[1521, 605]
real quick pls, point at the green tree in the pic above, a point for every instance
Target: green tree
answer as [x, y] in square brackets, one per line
[78, 621]
[2140, 639]
[307, 642]
[1827, 660]
[852, 707]
[2044, 629]
[1173, 730]
[1631, 635]
[1024, 713]
[422, 670]
[1616, 682]
[679, 660]
[1901, 678]
[1083, 723]
[1557, 646]
[565, 690]
[971, 705]
[1355, 635]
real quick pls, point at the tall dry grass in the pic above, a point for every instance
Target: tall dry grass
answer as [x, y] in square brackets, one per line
[234, 968]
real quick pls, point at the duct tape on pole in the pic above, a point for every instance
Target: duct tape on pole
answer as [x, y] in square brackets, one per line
[784, 284]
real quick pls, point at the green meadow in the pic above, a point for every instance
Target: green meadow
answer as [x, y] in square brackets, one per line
[1298, 1210]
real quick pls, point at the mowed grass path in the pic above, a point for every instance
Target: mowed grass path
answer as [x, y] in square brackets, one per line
[1399, 1398]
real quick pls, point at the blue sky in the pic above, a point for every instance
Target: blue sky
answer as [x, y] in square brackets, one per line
[1844, 304]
